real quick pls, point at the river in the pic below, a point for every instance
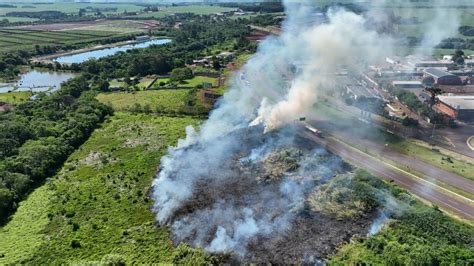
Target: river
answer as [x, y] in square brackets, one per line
[81, 57]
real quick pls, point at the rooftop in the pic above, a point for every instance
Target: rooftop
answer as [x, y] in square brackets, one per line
[408, 82]
[436, 72]
[460, 102]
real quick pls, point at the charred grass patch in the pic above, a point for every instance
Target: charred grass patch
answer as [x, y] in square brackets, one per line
[97, 207]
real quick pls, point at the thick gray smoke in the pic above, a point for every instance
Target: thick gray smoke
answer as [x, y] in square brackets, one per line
[278, 84]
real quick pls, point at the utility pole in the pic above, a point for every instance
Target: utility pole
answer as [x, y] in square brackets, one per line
[432, 132]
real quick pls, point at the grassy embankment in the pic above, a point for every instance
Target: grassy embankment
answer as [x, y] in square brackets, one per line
[98, 203]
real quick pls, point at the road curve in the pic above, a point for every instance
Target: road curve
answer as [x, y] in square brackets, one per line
[419, 188]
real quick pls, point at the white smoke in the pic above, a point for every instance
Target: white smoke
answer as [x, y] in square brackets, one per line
[278, 84]
[344, 43]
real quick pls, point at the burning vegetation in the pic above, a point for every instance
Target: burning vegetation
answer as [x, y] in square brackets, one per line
[274, 199]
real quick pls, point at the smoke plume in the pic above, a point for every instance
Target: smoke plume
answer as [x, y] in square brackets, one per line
[202, 194]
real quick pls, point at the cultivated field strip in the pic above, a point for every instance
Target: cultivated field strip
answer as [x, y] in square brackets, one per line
[12, 38]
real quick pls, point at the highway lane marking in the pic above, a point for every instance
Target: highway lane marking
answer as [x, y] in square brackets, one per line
[405, 172]
[468, 142]
[443, 201]
[432, 197]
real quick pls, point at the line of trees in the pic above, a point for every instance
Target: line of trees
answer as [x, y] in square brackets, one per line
[48, 14]
[38, 136]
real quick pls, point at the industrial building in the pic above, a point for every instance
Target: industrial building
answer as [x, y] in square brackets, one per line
[460, 107]
[427, 64]
[407, 84]
[442, 77]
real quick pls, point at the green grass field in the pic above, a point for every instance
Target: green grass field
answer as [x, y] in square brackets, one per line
[16, 39]
[15, 97]
[199, 10]
[198, 80]
[100, 199]
[18, 19]
[70, 8]
[163, 101]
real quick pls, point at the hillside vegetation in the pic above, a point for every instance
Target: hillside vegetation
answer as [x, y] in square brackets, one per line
[97, 207]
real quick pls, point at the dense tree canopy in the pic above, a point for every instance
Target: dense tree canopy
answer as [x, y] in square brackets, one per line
[37, 136]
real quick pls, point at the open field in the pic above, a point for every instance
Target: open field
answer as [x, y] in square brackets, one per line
[15, 39]
[26, 37]
[71, 8]
[15, 97]
[100, 199]
[199, 10]
[18, 19]
[162, 101]
[198, 80]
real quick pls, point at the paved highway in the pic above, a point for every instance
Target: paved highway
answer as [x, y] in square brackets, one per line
[445, 200]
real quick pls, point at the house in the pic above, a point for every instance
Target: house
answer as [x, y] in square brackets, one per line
[442, 77]
[201, 62]
[460, 107]
[226, 55]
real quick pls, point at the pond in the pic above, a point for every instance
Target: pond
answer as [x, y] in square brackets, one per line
[37, 81]
[81, 57]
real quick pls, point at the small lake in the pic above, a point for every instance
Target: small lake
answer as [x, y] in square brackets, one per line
[38, 81]
[81, 57]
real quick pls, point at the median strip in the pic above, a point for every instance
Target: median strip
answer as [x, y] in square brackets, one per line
[405, 172]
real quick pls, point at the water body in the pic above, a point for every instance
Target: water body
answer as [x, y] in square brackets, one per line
[38, 81]
[81, 57]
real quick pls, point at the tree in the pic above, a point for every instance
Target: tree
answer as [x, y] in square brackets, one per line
[433, 92]
[458, 57]
[181, 74]
[408, 121]
[103, 85]
[6, 202]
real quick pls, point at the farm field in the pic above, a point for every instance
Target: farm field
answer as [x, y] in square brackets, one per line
[99, 201]
[15, 38]
[170, 101]
[18, 19]
[70, 8]
[15, 97]
[199, 10]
